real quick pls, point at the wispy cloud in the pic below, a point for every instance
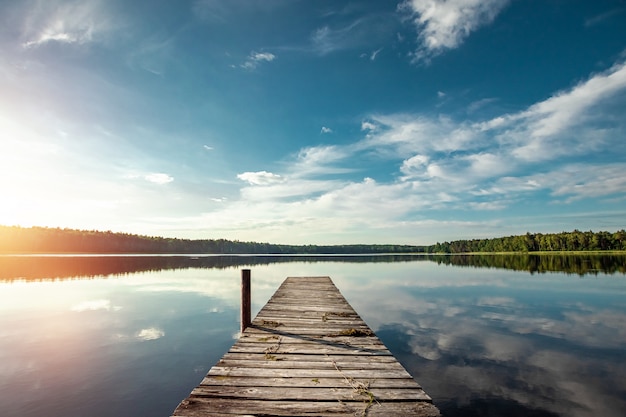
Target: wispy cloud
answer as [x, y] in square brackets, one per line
[444, 24]
[595, 20]
[260, 178]
[326, 130]
[321, 159]
[446, 154]
[256, 58]
[584, 181]
[70, 22]
[158, 178]
[539, 132]
[365, 125]
[327, 39]
[375, 54]
[479, 104]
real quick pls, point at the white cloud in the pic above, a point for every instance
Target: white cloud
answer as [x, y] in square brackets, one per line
[414, 166]
[288, 188]
[485, 165]
[320, 155]
[326, 130]
[444, 24]
[368, 126]
[207, 147]
[69, 22]
[580, 181]
[546, 129]
[409, 134]
[256, 58]
[260, 178]
[321, 160]
[487, 205]
[158, 178]
[262, 56]
[564, 109]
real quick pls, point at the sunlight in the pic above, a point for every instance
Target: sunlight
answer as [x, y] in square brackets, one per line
[25, 173]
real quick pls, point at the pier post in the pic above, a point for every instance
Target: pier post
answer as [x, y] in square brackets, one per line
[245, 299]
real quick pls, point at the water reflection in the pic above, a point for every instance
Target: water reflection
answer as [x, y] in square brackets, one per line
[38, 267]
[482, 341]
[581, 264]
[104, 347]
[506, 343]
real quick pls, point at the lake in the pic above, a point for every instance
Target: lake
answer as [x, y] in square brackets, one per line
[484, 335]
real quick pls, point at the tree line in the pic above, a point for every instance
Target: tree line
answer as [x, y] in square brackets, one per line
[538, 242]
[16, 239]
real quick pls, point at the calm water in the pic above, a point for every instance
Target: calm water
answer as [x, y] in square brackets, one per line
[128, 336]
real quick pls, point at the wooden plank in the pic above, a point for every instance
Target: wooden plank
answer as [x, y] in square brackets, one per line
[310, 349]
[339, 359]
[326, 337]
[346, 393]
[307, 353]
[307, 373]
[196, 407]
[301, 382]
[350, 361]
[284, 362]
[319, 327]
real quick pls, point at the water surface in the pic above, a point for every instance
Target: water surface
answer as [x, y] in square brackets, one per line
[122, 336]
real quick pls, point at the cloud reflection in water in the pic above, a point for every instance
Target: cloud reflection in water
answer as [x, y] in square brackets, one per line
[543, 346]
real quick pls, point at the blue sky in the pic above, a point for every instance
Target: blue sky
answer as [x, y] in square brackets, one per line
[314, 122]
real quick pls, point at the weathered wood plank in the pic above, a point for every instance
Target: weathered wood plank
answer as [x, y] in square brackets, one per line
[302, 382]
[355, 337]
[311, 349]
[284, 362]
[345, 393]
[307, 353]
[299, 328]
[226, 407]
[339, 359]
[307, 373]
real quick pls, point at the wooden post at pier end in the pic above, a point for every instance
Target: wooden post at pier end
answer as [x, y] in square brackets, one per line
[245, 299]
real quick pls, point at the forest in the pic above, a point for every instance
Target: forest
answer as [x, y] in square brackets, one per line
[538, 242]
[21, 240]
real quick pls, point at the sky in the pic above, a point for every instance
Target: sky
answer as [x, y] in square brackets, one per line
[314, 122]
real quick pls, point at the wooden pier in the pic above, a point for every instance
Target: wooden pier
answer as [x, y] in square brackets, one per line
[307, 353]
